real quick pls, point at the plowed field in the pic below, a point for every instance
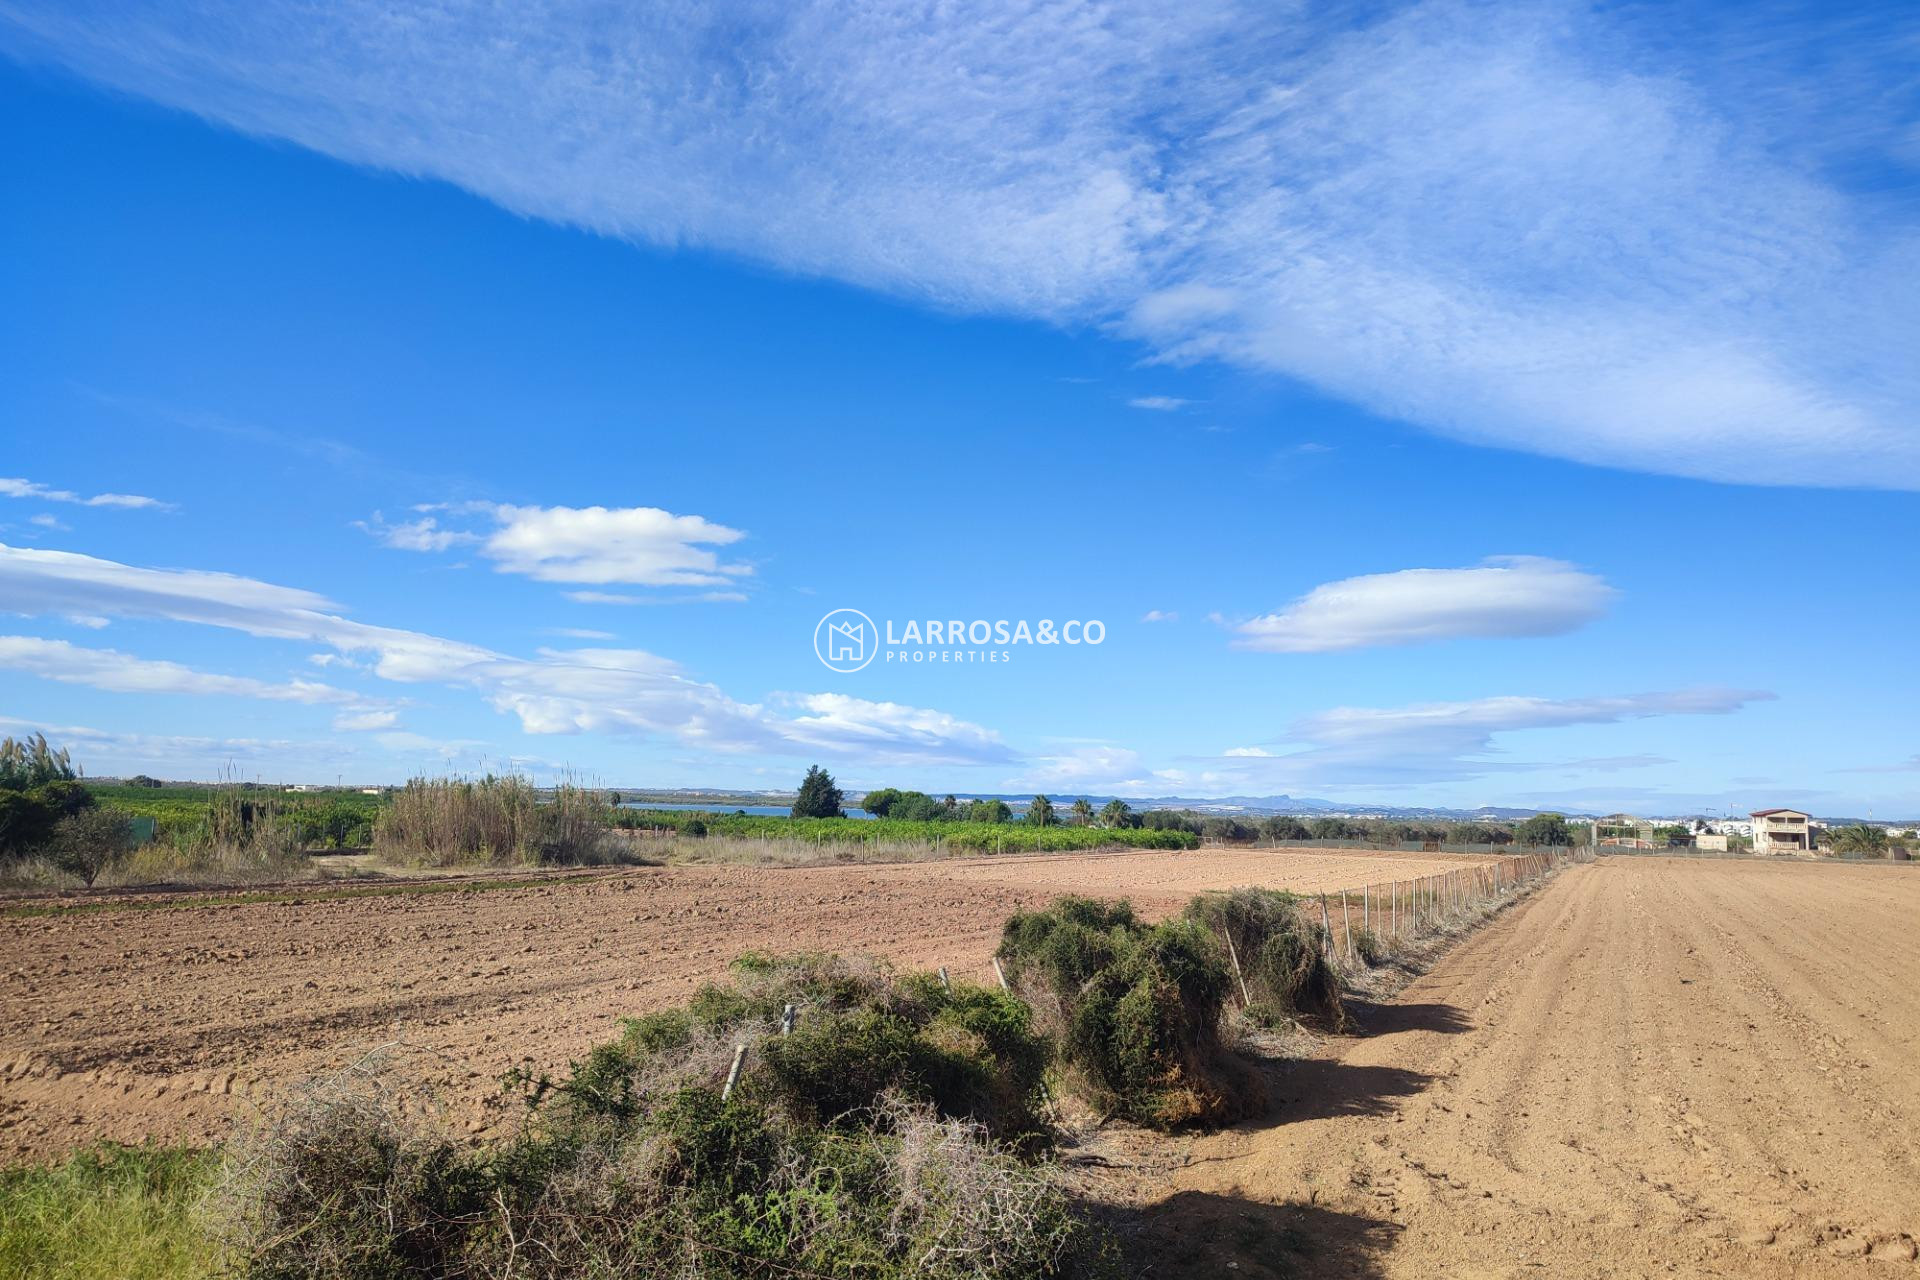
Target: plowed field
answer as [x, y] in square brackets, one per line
[1653, 1067]
[124, 1023]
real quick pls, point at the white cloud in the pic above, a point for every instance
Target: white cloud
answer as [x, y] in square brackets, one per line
[638, 546]
[1503, 596]
[182, 755]
[424, 534]
[644, 546]
[365, 721]
[117, 672]
[883, 732]
[1561, 231]
[553, 692]
[579, 633]
[1388, 749]
[619, 597]
[46, 521]
[1450, 741]
[1161, 404]
[1159, 615]
[1100, 769]
[17, 488]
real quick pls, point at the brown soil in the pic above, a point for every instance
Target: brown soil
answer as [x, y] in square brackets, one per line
[125, 1023]
[1652, 1067]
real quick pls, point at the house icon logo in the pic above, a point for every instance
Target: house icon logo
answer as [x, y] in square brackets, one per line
[846, 640]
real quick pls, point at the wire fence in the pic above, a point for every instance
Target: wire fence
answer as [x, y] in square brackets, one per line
[1394, 912]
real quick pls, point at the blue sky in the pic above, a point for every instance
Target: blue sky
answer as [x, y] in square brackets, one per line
[1437, 405]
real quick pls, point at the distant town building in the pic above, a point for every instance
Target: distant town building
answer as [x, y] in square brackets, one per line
[1782, 831]
[1624, 831]
[1709, 840]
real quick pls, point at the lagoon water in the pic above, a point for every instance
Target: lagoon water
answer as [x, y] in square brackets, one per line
[757, 810]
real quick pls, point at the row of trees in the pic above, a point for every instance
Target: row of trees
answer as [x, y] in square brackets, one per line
[821, 797]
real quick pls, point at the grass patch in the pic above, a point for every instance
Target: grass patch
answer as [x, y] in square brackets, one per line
[109, 1213]
[1136, 1009]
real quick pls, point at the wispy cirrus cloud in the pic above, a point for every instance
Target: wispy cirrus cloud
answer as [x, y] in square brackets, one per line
[1160, 404]
[1564, 231]
[1389, 748]
[554, 691]
[117, 672]
[15, 487]
[1503, 596]
[622, 597]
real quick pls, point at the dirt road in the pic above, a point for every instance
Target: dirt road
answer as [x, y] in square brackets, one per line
[123, 1024]
[1654, 1067]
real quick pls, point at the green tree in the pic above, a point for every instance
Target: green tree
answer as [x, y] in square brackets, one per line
[1040, 812]
[1281, 828]
[1332, 829]
[995, 811]
[1861, 839]
[880, 803]
[86, 843]
[1082, 812]
[819, 797]
[613, 798]
[1116, 814]
[951, 804]
[916, 806]
[1544, 828]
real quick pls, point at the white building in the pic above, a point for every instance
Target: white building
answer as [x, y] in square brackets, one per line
[1781, 831]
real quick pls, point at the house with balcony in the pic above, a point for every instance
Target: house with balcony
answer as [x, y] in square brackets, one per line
[1781, 831]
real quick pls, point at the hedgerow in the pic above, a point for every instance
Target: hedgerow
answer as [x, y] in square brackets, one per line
[968, 837]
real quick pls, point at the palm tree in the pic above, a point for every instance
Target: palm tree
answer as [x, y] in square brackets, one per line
[1116, 814]
[1040, 812]
[1082, 812]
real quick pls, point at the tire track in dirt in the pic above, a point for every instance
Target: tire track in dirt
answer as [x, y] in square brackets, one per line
[1654, 1066]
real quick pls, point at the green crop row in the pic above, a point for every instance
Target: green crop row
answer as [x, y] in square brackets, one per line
[981, 837]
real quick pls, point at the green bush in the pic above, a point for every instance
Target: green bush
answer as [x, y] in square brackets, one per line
[1137, 1010]
[1282, 955]
[878, 1140]
[1370, 947]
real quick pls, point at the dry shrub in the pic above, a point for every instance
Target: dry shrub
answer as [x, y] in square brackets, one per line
[1136, 1009]
[446, 822]
[850, 1147]
[1281, 953]
[340, 1185]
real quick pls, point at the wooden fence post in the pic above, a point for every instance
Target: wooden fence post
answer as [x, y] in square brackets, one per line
[1001, 974]
[1234, 955]
[1346, 925]
[733, 1072]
